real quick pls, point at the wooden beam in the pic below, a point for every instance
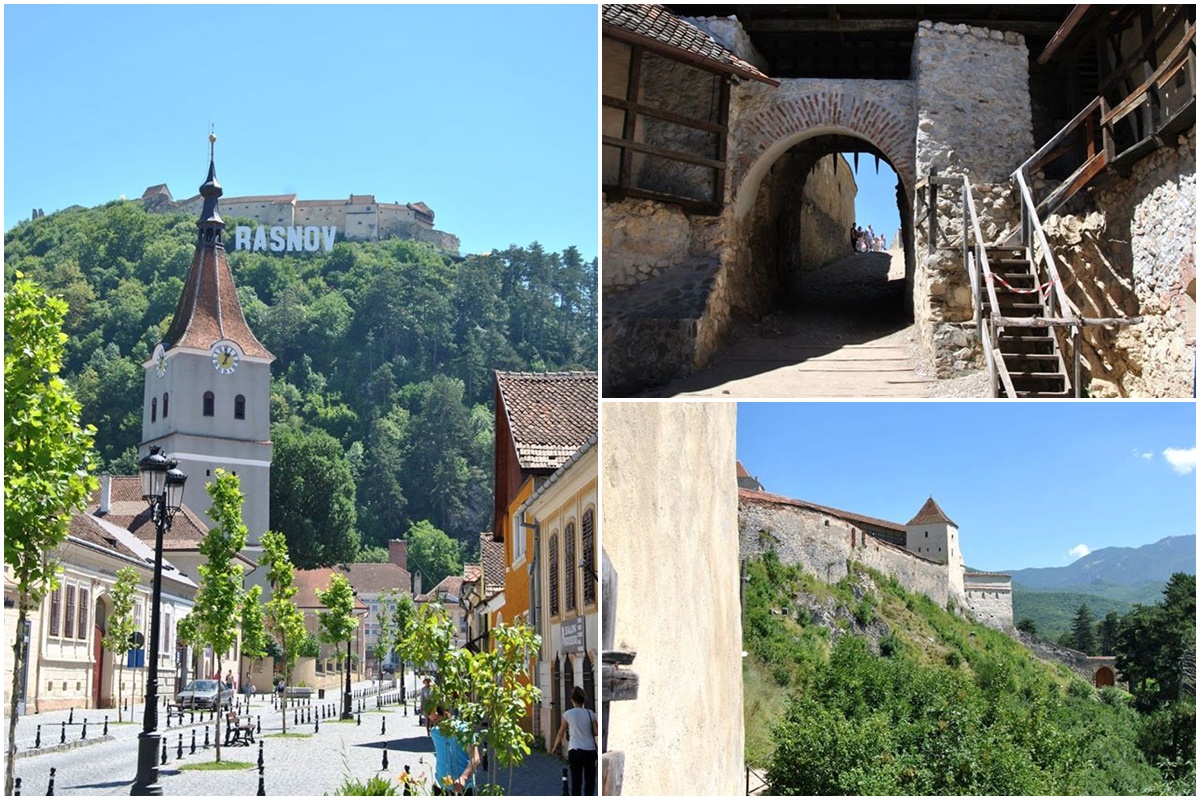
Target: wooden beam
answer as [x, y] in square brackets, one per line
[786, 25]
[1063, 32]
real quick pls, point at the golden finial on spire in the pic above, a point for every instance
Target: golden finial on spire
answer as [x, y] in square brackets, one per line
[212, 138]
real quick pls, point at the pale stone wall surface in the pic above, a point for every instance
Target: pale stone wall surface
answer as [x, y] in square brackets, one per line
[989, 600]
[669, 516]
[974, 119]
[1131, 253]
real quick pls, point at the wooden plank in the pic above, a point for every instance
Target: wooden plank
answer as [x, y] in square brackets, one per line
[1005, 378]
[618, 684]
[666, 116]
[1082, 176]
[1036, 160]
[620, 658]
[663, 152]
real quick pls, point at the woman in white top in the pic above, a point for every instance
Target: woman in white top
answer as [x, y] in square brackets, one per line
[579, 726]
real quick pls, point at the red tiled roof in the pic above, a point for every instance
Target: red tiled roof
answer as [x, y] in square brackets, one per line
[88, 529]
[209, 310]
[930, 514]
[128, 510]
[654, 24]
[158, 188]
[376, 578]
[451, 584]
[750, 495]
[280, 199]
[492, 555]
[550, 414]
[741, 471]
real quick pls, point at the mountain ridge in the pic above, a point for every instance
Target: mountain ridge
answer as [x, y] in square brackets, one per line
[1114, 567]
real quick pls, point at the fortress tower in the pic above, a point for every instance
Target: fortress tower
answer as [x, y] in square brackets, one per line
[207, 395]
[933, 535]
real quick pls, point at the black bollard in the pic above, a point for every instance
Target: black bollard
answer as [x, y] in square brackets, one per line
[258, 725]
[163, 759]
[262, 790]
[84, 736]
[205, 737]
[566, 787]
[71, 718]
[50, 788]
[317, 726]
[407, 773]
[16, 787]
[295, 716]
[179, 752]
[360, 719]
[406, 709]
[192, 752]
[382, 725]
[192, 717]
[260, 756]
[63, 738]
[37, 745]
[385, 760]
[106, 724]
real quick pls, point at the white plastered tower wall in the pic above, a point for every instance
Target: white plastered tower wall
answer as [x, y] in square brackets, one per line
[933, 535]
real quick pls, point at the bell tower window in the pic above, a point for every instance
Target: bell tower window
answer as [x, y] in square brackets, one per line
[154, 409]
[239, 407]
[166, 404]
[209, 402]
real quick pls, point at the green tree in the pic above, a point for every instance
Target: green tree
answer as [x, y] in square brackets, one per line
[432, 553]
[1106, 633]
[220, 598]
[1027, 625]
[47, 460]
[1084, 630]
[400, 622]
[121, 624]
[284, 620]
[490, 690]
[312, 498]
[254, 634]
[435, 464]
[338, 622]
[1156, 644]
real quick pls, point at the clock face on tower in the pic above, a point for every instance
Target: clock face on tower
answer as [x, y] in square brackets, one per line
[224, 358]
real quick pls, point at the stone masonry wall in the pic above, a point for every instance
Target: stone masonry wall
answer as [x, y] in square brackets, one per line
[990, 600]
[823, 544]
[972, 96]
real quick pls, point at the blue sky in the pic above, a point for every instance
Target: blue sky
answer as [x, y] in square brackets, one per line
[488, 114]
[1027, 483]
[875, 204]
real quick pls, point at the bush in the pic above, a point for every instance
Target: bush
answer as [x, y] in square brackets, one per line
[1113, 696]
[1079, 688]
[953, 659]
[889, 645]
[864, 613]
[374, 786]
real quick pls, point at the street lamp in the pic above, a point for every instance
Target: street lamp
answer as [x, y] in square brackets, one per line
[162, 489]
[347, 703]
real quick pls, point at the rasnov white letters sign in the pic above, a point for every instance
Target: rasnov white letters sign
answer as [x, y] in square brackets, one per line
[279, 238]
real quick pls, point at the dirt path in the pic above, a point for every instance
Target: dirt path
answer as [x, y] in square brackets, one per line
[851, 341]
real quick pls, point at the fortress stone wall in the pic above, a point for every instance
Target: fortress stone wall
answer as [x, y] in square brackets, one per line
[824, 544]
[823, 541]
[359, 218]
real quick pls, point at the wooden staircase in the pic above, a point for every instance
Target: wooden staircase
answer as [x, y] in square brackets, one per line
[1030, 352]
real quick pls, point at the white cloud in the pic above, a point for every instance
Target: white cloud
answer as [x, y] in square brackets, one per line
[1079, 551]
[1182, 461]
[1139, 454]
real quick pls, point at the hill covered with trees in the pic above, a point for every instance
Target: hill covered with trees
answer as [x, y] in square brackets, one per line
[384, 356]
[864, 688]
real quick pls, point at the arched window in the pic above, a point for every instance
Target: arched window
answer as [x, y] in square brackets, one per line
[553, 575]
[239, 407]
[154, 409]
[569, 566]
[166, 404]
[209, 401]
[588, 545]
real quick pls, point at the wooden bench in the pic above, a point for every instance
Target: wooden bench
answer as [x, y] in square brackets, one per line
[298, 691]
[238, 730]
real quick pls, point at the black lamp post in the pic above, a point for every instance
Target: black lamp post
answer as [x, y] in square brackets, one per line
[347, 702]
[162, 489]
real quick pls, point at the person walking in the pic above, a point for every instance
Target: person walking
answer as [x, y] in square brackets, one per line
[579, 726]
[425, 698]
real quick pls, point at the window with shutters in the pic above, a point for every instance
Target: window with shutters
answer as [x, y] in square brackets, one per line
[588, 546]
[56, 611]
[85, 615]
[570, 568]
[69, 616]
[553, 575]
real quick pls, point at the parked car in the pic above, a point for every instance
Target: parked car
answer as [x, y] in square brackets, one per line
[205, 694]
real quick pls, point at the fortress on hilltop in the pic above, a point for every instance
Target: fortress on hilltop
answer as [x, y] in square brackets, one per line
[924, 554]
[360, 218]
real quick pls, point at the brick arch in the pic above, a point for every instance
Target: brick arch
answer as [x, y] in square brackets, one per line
[776, 127]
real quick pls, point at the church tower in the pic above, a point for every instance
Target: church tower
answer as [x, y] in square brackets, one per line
[207, 397]
[933, 535]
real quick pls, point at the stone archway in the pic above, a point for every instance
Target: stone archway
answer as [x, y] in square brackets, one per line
[1104, 677]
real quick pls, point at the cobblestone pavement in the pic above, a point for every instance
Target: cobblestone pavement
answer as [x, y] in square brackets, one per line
[314, 764]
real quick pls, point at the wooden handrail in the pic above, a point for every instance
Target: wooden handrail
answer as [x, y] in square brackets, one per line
[1047, 254]
[1033, 161]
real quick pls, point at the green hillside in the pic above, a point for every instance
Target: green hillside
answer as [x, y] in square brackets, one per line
[386, 347]
[1054, 612]
[864, 688]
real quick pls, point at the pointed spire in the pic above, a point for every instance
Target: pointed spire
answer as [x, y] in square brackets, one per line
[211, 225]
[931, 514]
